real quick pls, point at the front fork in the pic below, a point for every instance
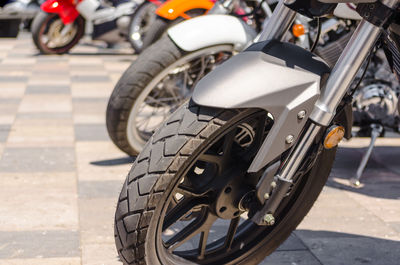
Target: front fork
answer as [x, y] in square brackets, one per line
[342, 74]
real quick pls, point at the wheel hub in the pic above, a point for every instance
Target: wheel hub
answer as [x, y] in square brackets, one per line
[227, 203]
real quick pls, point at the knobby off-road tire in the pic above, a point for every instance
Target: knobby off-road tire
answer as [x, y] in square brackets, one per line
[156, 171]
[39, 24]
[138, 80]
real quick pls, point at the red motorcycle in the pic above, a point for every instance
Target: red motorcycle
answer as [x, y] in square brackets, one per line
[62, 23]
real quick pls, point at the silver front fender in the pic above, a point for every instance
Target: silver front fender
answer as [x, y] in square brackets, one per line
[279, 77]
[210, 30]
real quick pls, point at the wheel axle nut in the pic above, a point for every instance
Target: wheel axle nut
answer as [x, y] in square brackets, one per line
[289, 139]
[301, 114]
[269, 219]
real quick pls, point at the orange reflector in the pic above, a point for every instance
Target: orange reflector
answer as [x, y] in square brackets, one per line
[334, 136]
[298, 30]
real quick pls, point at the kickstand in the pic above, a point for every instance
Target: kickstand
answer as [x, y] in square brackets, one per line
[376, 131]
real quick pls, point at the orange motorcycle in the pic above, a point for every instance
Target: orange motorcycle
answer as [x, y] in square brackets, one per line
[171, 13]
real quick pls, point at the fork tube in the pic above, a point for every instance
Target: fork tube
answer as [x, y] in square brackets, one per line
[350, 61]
[282, 18]
[342, 74]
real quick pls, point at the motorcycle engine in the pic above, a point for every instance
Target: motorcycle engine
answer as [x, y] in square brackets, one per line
[335, 33]
[377, 98]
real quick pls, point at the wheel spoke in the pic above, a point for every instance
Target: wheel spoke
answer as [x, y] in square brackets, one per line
[181, 209]
[203, 243]
[186, 78]
[175, 96]
[260, 131]
[152, 100]
[221, 160]
[228, 141]
[188, 192]
[215, 159]
[231, 232]
[202, 224]
[227, 148]
[259, 137]
[203, 68]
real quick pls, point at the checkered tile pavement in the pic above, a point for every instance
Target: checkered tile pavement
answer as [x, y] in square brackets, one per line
[60, 175]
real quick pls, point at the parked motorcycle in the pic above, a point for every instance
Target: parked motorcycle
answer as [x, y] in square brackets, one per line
[252, 149]
[62, 23]
[171, 13]
[163, 77]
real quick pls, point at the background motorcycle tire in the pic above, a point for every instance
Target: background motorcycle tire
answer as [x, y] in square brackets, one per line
[146, 9]
[156, 31]
[155, 174]
[39, 25]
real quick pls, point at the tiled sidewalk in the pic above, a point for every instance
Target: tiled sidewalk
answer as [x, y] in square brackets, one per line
[60, 175]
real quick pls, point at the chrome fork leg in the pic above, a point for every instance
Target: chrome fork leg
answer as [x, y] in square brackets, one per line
[376, 131]
[343, 73]
[358, 48]
[279, 23]
[340, 79]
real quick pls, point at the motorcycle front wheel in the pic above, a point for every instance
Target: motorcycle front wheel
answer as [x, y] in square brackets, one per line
[181, 202]
[153, 87]
[51, 36]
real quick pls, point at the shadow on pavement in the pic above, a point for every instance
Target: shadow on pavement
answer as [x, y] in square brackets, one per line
[342, 248]
[97, 53]
[381, 177]
[114, 162]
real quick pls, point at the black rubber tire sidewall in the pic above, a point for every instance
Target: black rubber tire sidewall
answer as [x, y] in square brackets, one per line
[38, 24]
[131, 84]
[138, 48]
[155, 32]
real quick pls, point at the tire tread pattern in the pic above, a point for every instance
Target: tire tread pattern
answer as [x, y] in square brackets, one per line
[154, 170]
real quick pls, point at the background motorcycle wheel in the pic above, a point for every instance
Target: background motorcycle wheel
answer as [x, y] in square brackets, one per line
[199, 154]
[46, 27]
[141, 21]
[150, 77]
